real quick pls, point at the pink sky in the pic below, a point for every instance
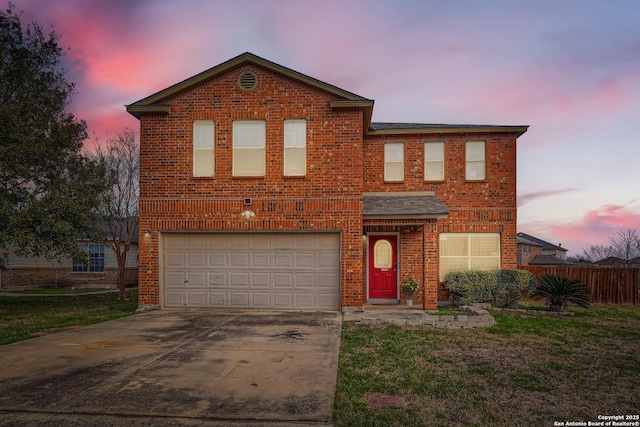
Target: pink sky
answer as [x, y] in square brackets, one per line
[570, 69]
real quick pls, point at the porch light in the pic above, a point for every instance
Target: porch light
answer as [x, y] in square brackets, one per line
[147, 236]
[364, 238]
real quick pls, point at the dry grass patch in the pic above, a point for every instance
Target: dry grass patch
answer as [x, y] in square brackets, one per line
[527, 370]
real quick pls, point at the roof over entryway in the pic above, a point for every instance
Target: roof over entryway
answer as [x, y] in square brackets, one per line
[403, 205]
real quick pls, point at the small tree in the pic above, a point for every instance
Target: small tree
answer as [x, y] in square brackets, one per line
[559, 291]
[119, 204]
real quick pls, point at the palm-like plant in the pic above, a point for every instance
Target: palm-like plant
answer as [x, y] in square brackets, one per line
[559, 291]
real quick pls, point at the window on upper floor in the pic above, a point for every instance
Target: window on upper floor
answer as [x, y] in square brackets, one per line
[475, 155]
[203, 148]
[469, 251]
[96, 259]
[434, 161]
[394, 161]
[295, 147]
[249, 154]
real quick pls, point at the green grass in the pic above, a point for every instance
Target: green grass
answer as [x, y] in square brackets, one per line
[527, 370]
[28, 317]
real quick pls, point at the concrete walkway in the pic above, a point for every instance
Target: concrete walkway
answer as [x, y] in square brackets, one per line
[475, 316]
[172, 368]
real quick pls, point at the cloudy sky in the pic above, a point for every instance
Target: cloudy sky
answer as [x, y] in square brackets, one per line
[570, 69]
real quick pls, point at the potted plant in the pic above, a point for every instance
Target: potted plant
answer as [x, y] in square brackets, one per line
[410, 287]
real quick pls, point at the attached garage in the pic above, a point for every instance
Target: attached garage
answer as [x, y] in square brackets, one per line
[290, 271]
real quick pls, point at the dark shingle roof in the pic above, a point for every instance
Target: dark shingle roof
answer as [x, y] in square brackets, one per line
[385, 127]
[547, 260]
[421, 204]
[545, 245]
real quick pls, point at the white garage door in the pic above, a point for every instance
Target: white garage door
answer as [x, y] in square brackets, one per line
[289, 271]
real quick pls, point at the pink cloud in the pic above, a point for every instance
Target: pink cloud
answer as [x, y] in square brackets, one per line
[596, 226]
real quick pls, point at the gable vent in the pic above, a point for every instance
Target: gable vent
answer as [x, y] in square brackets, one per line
[247, 80]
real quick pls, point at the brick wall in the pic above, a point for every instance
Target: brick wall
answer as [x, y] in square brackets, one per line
[329, 197]
[487, 206]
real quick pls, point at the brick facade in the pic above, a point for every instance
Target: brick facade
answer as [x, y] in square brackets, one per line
[344, 160]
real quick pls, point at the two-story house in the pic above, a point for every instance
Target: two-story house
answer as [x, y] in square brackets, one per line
[261, 187]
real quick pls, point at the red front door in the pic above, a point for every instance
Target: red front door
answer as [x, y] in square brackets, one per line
[383, 266]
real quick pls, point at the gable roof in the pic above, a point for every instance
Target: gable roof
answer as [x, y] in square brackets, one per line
[154, 104]
[528, 239]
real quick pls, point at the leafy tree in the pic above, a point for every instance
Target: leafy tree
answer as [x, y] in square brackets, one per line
[559, 291]
[119, 204]
[47, 188]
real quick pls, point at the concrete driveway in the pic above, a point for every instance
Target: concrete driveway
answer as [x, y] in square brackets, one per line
[172, 368]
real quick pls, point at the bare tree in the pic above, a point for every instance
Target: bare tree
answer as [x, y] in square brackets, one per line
[599, 252]
[626, 244]
[119, 205]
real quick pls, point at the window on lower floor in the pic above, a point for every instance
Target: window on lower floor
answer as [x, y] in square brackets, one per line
[96, 259]
[469, 251]
[249, 154]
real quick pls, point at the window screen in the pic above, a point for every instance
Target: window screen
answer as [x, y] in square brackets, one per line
[295, 147]
[249, 155]
[469, 251]
[203, 148]
[394, 161]
[434, 161]
[475, 154]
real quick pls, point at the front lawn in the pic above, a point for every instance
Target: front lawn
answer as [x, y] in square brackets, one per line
[27, 317]
[527, 370]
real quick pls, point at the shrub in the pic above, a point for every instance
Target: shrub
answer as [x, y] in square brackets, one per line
[559, 291]
[501, 288]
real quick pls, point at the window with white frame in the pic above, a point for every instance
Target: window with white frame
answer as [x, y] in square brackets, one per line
[249, 154]
[295, 147]
[434, 161]
[96, 259]
[394, 161]
[469, 251]
[475, 155]
[203, 148]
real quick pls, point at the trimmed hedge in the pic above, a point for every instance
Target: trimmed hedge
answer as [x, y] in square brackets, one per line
[501, 288]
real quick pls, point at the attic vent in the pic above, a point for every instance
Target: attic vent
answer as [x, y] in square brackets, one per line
[247, 80]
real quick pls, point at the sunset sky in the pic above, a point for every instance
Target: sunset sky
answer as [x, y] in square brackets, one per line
[569, 69]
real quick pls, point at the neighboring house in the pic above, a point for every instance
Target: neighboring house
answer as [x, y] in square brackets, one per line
[265, 188]
[530, 247]
[35, 271]
[613, 261]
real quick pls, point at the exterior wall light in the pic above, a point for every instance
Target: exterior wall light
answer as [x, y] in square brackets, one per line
[147, 236]
[247, 215]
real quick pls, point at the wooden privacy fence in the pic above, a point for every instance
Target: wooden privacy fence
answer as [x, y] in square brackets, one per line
[606, 285]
